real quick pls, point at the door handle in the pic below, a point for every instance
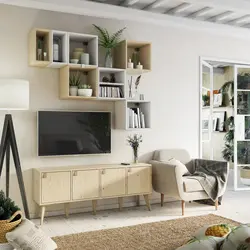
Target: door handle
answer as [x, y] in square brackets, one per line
[44, 175]
[103, 171]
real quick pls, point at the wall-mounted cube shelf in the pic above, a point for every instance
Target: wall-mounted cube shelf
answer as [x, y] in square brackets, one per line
[89, 76]
[79, 43]
[40, 39]
[108, 84]
[111, 84]
[133, 115]
[127, 50]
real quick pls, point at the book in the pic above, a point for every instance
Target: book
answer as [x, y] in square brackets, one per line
[139, 117]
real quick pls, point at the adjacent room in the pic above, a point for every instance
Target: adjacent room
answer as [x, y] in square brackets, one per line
[125, 124]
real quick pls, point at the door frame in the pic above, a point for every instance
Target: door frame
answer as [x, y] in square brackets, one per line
[205, 59]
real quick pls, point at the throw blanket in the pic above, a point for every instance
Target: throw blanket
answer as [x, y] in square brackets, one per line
[212, 176]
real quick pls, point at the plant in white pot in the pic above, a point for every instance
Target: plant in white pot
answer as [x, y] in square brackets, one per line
[85, 90]
[74, 82]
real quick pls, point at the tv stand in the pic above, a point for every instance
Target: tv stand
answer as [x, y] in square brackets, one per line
[65, 185]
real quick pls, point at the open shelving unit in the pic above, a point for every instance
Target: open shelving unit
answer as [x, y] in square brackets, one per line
[123, 119]
[88, 76]
[124, 51]
[105, 87]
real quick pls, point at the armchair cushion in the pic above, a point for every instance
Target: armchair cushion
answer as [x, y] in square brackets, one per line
[166, 154]
[191, 185]
[182, 168]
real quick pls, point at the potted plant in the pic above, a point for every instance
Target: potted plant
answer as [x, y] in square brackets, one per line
[108, 42]
[205, 100]
[85, 90]
[134, 141]
[74, 82]
[10, 216]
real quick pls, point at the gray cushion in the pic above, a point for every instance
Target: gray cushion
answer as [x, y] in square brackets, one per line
[191, 185]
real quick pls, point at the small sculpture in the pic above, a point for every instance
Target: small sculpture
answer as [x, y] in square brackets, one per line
[112, 78]
[105, 79]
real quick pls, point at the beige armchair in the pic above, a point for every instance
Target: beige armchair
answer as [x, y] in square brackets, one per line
[168, 179]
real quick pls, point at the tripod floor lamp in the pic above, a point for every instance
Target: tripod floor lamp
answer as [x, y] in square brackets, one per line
[14, 95]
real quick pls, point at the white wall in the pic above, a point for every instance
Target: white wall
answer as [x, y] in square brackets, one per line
[172, 86]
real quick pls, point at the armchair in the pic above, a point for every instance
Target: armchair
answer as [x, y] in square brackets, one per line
[168, 179]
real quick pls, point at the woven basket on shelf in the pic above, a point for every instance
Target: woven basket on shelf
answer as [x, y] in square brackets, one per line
[8, 225]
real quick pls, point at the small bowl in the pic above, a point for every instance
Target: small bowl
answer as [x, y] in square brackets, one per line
[75, 61]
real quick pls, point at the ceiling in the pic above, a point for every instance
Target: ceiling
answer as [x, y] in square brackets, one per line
[219, 12]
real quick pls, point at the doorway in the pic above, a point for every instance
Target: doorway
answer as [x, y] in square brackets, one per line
[225, 116]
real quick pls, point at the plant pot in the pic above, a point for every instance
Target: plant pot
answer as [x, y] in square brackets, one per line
[85, 92]
[245, 176]
[73, 91]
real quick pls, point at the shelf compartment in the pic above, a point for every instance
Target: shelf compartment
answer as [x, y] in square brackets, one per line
[89, 44]
[44, 36]
[124, 51]
[61, 38]
[123, 114]
[88, 76]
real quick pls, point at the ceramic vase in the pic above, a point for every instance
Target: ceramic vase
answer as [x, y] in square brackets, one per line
[135, 153]
[108, 59]
[73, 91]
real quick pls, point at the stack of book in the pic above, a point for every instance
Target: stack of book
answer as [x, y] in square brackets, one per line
[110, 92]
[136, 119]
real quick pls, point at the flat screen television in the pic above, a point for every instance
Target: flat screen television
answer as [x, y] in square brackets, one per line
[73, 133]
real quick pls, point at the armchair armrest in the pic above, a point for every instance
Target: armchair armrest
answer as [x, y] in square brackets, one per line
[167, 179]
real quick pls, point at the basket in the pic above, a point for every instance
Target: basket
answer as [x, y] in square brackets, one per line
[8, 225]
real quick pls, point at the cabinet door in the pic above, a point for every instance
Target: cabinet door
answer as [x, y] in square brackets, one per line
[139, 180]
[86, 184]
[55, 187]
[113, 182]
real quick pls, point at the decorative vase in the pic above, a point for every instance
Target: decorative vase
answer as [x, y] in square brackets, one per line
[85, 58]
[108, 59]
[85, 92]
[135, 151]
[39, 54]
[73, 90]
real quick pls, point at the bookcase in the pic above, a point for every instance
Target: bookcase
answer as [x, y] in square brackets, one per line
[108, 84]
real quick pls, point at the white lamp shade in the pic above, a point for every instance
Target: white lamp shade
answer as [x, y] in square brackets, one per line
[14, 94]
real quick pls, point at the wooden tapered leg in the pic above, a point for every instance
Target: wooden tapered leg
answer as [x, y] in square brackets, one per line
[146, 198]
[94, 204]
[216, 204]
[162, 199]
[66, 209]
[138, 200]
[183, 207]
[120, 201]
[42, 215]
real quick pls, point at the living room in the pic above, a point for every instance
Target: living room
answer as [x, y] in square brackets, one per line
[169, 95]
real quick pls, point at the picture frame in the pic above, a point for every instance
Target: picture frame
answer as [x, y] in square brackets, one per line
[217, 100]
[221, 116]
[215, 120]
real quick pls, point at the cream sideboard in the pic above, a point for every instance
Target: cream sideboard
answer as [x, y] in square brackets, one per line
[55, 185]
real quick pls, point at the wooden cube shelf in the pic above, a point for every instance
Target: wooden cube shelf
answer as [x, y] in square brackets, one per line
[123, 114]
[89, 75]
[114, 89]
[124, 51]
[89, 44]
[45, 37]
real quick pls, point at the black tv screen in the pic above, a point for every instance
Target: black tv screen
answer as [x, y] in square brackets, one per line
[73, 133]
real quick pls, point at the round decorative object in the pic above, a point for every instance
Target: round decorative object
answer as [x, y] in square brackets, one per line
[75, 61]
[85, 92]
[112, 78]
[105, 79]
[79, 50]
[73, 90]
